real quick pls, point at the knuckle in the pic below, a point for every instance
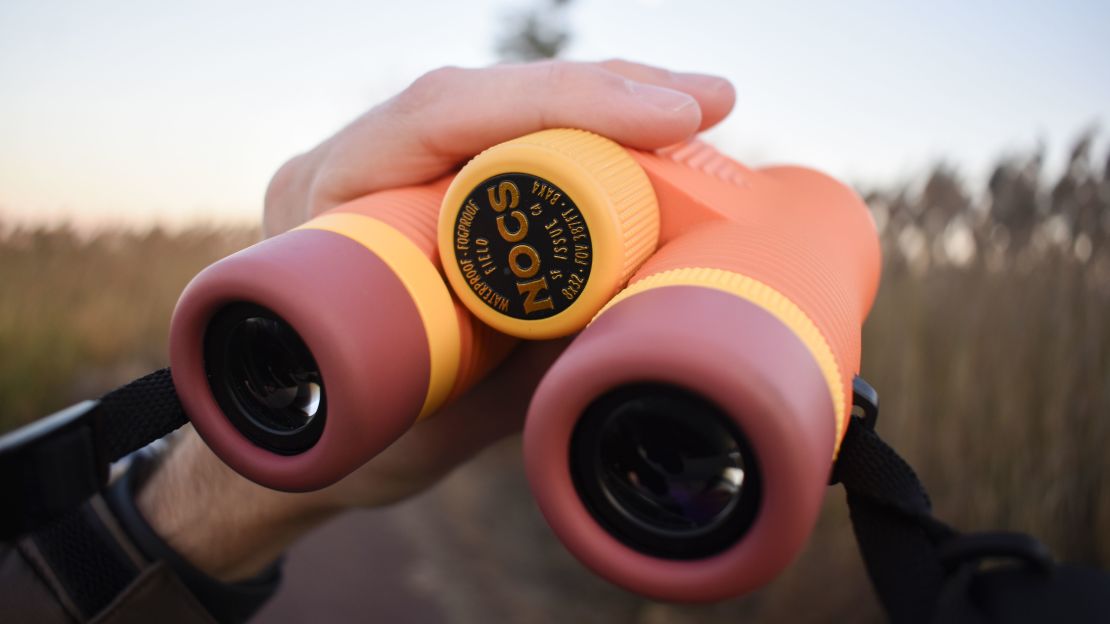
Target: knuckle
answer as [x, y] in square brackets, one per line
[615, 63]
[565, 76]
[438, 77]
[558, 74]
[428, 87]
[637, 70]
[283, 178]
[284, 195]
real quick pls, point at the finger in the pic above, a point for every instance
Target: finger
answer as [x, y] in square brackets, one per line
[492, 410]
[715, 95]
[517, 99]
[451, 114]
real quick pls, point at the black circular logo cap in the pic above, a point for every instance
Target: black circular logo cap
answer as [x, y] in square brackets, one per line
[665, 471]
[522, 246]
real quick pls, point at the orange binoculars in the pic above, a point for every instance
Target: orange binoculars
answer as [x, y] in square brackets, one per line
[681, 444]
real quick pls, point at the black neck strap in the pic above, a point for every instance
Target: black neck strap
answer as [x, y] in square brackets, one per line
[52, 465]
[922, 569]
[925, 571]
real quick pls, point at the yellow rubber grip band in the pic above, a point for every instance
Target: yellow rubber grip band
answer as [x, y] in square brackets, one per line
[423, 283]
[771, 300]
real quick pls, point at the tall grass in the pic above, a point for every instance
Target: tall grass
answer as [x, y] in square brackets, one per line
[80, 314]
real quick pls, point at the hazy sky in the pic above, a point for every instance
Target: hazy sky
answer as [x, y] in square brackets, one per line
[174, 111]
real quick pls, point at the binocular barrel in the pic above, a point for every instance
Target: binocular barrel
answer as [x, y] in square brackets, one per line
[301, 357]
[681, 444]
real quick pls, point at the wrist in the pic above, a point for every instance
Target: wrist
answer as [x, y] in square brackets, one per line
[225, 525]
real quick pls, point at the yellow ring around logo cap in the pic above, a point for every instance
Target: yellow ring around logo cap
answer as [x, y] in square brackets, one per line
[612, 193]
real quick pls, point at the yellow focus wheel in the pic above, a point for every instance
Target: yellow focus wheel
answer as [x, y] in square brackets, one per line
[538, 233]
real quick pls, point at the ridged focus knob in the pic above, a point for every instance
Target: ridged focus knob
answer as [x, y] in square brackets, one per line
[538, 233]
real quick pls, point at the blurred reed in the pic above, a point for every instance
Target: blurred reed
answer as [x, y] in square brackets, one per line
[81, 313]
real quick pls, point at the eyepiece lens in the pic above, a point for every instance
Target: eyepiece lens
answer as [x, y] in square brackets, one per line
[264, 378]
[665, 471]
[270, 366]
[671, 473]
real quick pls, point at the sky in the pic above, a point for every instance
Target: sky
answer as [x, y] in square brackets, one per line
[172, 113]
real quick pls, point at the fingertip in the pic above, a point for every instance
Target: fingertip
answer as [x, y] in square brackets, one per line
[658, 117]
[715, 95]
[717, 103]
[652, 136]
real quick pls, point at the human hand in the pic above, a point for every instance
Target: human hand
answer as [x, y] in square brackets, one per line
[231, 527]
[450, 114]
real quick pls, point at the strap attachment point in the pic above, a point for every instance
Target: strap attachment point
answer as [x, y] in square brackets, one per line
[865, 411]
[865, 402]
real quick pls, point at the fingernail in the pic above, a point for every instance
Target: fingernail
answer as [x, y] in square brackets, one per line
[661, 97]
[704, 81]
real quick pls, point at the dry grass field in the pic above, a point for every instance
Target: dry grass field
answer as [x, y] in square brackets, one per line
[80, 314]
[989, 344]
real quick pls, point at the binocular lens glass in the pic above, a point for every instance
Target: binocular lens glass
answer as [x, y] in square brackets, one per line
[272, 368]
[668, 472]
[665, 471]
[265, 378]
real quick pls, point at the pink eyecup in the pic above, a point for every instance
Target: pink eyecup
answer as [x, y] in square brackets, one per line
[363, 330]
[748, 363]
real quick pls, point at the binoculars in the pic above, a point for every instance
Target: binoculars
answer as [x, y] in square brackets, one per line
[680, 445]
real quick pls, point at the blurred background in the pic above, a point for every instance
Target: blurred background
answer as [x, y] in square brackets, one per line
[136, 140]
